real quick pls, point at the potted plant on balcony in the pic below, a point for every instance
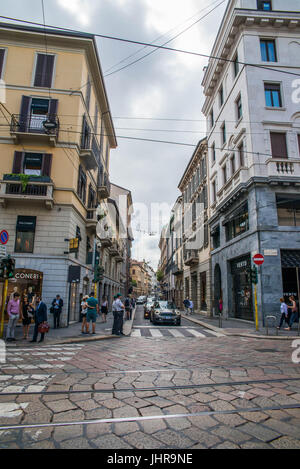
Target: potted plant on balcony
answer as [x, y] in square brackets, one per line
[25, 179]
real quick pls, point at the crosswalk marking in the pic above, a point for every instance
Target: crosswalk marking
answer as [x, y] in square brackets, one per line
[175, 333]
[156, 333]
[195, 333]
[216, 334]
[136, 333]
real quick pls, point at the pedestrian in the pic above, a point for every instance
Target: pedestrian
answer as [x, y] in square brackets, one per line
[40, 317]
[83, 305]
[186, 303]
[92, 312]
[220, 306]
[294, 310]
[284, 313]
[13, 311]
[27, 315]
[104, 308]
[57, 305]
[118, 310]
[127, 307]
[191, 307]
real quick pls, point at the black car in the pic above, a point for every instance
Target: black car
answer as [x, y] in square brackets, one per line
[164, 312]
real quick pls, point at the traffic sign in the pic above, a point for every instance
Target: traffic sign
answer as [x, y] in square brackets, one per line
[258, 259]
[3, 237]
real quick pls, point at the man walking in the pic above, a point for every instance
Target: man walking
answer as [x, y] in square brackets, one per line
[40, 317]
[92, 311]
[187, 305]
[118, 311]
[13, 310]
[57, 305]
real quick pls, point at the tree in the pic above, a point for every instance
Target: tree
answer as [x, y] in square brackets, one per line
[159, 275]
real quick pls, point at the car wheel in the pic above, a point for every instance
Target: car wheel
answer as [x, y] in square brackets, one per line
[178, 322]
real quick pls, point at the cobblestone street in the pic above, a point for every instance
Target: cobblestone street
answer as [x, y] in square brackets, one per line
[152, 392]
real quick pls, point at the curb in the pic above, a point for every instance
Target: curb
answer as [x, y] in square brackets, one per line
[236, 334]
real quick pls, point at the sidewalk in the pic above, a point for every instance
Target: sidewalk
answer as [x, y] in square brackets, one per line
[72, 334]
[234, 327]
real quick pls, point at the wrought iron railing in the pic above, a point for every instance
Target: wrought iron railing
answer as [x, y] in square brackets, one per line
[35, 123]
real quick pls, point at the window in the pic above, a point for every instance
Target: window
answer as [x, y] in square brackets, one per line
[268, 50]
[32, 164]
[214, 191]
[288, 210]
[91, 197]
[215, 234]
[232, 164]
[273, 95]
[299, 142]
[25, 232]
[239, 108]
[224, 170]
[221, 96]
[238, 223]
[88, 93]
[264, 5]
[96, 120]
[236, 65]
[241, 152]
[2, 56]
[85, 134]
[44, 70]
[213, 152]
[81, 187]
[223, 133]
[278, 145]
[212, 119]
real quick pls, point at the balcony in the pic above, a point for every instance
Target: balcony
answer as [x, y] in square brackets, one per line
[91, 219]
[283, 167]
[191, 257]
[37, 188]
[31, 129]
[177, 270]
[120, 256]
[89, 153]
[103, 187]
[114, 249]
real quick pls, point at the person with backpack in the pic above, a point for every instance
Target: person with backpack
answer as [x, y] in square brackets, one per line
[186, 303]
[128, 308]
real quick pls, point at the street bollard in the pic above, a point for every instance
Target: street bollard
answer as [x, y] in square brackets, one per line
[220, 321]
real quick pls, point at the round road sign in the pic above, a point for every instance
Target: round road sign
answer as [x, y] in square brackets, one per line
[258, 259]
[3, 237]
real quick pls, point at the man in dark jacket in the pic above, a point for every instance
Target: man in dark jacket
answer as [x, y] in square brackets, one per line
[57, 305]
[40, 316]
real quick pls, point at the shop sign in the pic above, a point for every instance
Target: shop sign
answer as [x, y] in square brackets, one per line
[27, 276]
[270, 252]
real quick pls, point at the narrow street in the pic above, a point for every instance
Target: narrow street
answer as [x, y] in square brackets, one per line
[152, 391]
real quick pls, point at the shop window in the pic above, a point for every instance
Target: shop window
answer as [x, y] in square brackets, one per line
[25, 232]
[216, 240]
[273, 95]
[279, 145]
[268, 50]
[288, 210]
[238, 224]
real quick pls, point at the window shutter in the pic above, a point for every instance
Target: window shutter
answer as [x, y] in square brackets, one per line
[24, 113]
[49, 71]
[83, 132]
[44, 70]
[52, 111]
[40, 64]
[84, 189]
[18, 160]
[47, 162]
[88, 93]
[279, 146]
[2, 54]
[79, 179]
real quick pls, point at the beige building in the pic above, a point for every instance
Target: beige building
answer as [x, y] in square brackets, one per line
[196, 242]
[56, 134]
[140, 278]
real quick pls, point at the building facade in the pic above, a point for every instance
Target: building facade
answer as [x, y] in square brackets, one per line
[253, 134]
[54, 165]
[196, 242]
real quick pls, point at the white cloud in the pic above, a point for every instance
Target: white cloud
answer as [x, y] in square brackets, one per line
[80, 9]
[150, 102]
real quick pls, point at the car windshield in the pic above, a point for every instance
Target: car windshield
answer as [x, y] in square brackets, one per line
[165, 305]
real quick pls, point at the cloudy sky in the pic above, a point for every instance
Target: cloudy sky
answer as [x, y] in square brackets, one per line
[164, 85]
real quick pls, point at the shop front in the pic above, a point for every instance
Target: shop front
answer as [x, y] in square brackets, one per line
[242, 288]
[27, 283]
[290, 264]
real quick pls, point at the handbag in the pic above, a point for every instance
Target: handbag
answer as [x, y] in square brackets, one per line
[43, 328]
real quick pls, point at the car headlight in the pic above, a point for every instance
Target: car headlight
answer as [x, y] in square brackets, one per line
[156, 313]
[178, 313]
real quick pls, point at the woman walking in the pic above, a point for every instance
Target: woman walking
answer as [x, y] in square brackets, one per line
[84, 313]
[284, 313]
[104, 308]
[27, 314]
[294, 310]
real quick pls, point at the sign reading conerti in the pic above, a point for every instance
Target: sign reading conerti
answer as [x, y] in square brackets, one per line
[23, 274]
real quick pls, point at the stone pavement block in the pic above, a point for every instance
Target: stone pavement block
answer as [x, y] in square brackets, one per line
[233, 420]
[255, 445]
[283, 427]
[95, 430]
[176, 409]
[57, 397]
[36, 434]
[203, 421]
[70, 415]
[113, 403]
[89, 404]
[38, 417]
[223, 396]
[285, 443]
[9, 435]
[202, 437]
[140, 440]
[76, 443]
[255, 417]
[46, 444]
[221, 405]
[98, 397]
[61, 405]
[124, 428]
[174, 439]
[160, 401]
[125, 411]
[259, 432]
[227, 445]
[198, 446]
[152, 426]
[204, 398]
[66, 433]
[231, 434]
[110, 442]
[142, 394]
[100, 413]
[179, 423]
[182, 400]
[136, 402]
[151, 410]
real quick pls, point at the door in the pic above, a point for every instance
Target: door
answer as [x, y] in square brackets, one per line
[242, 289]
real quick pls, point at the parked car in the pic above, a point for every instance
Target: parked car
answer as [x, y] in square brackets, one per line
[147, 308]
[163, 312]
[141, 300]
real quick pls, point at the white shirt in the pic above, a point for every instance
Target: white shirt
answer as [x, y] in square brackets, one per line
[119, 305]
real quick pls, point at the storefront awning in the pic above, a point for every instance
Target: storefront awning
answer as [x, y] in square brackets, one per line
[290, 258]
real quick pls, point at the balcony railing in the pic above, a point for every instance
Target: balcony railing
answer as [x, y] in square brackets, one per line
[90, 152]
[36, 189]
[35, 127]
[91, 219]
[104, 187]
[191, 257]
